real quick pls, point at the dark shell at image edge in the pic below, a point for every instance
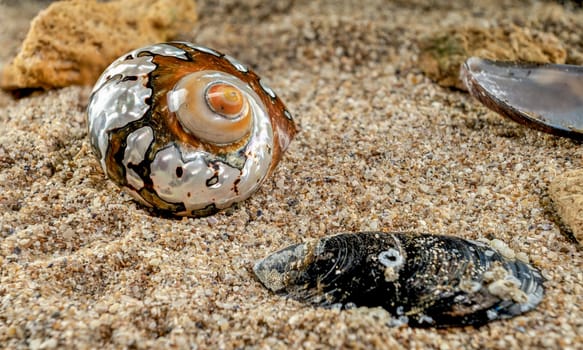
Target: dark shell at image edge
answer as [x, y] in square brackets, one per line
[545, 97]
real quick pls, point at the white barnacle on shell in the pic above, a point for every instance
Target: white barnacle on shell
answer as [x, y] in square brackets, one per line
[391, 258]
[186, 129]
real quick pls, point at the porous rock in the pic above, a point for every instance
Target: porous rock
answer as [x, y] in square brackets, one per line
[443, 52]
[566, 191]
[71, 42]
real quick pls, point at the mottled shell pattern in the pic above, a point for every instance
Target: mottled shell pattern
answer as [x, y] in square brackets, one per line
[185, 129]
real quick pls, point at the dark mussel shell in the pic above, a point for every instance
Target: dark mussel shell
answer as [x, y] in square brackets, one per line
[546, 97]
[423, 280]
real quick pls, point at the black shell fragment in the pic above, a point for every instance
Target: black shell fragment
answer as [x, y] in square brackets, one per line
[423, 280]
[546, 97]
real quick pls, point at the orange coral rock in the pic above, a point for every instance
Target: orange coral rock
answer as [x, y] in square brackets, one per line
[71, 42]
[443, 52]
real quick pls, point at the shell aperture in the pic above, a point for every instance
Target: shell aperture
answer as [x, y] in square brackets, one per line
[546, 97]
[185, 129]
[423, 280]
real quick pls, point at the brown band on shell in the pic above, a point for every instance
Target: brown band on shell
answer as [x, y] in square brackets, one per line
[276, 108]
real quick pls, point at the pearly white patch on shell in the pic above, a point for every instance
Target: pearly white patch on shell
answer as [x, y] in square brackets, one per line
[203, 49]
[237, 64]
[116, 102]
[266, 88]
[138, 143]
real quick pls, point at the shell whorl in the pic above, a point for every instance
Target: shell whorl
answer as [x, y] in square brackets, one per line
[186, 129]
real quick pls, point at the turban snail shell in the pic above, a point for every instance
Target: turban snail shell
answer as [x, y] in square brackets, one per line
[185, 129]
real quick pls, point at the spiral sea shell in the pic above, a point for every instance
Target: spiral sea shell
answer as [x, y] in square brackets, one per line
[423, 280]
[185, 129]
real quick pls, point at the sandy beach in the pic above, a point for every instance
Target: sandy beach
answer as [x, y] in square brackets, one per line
[380, 147]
